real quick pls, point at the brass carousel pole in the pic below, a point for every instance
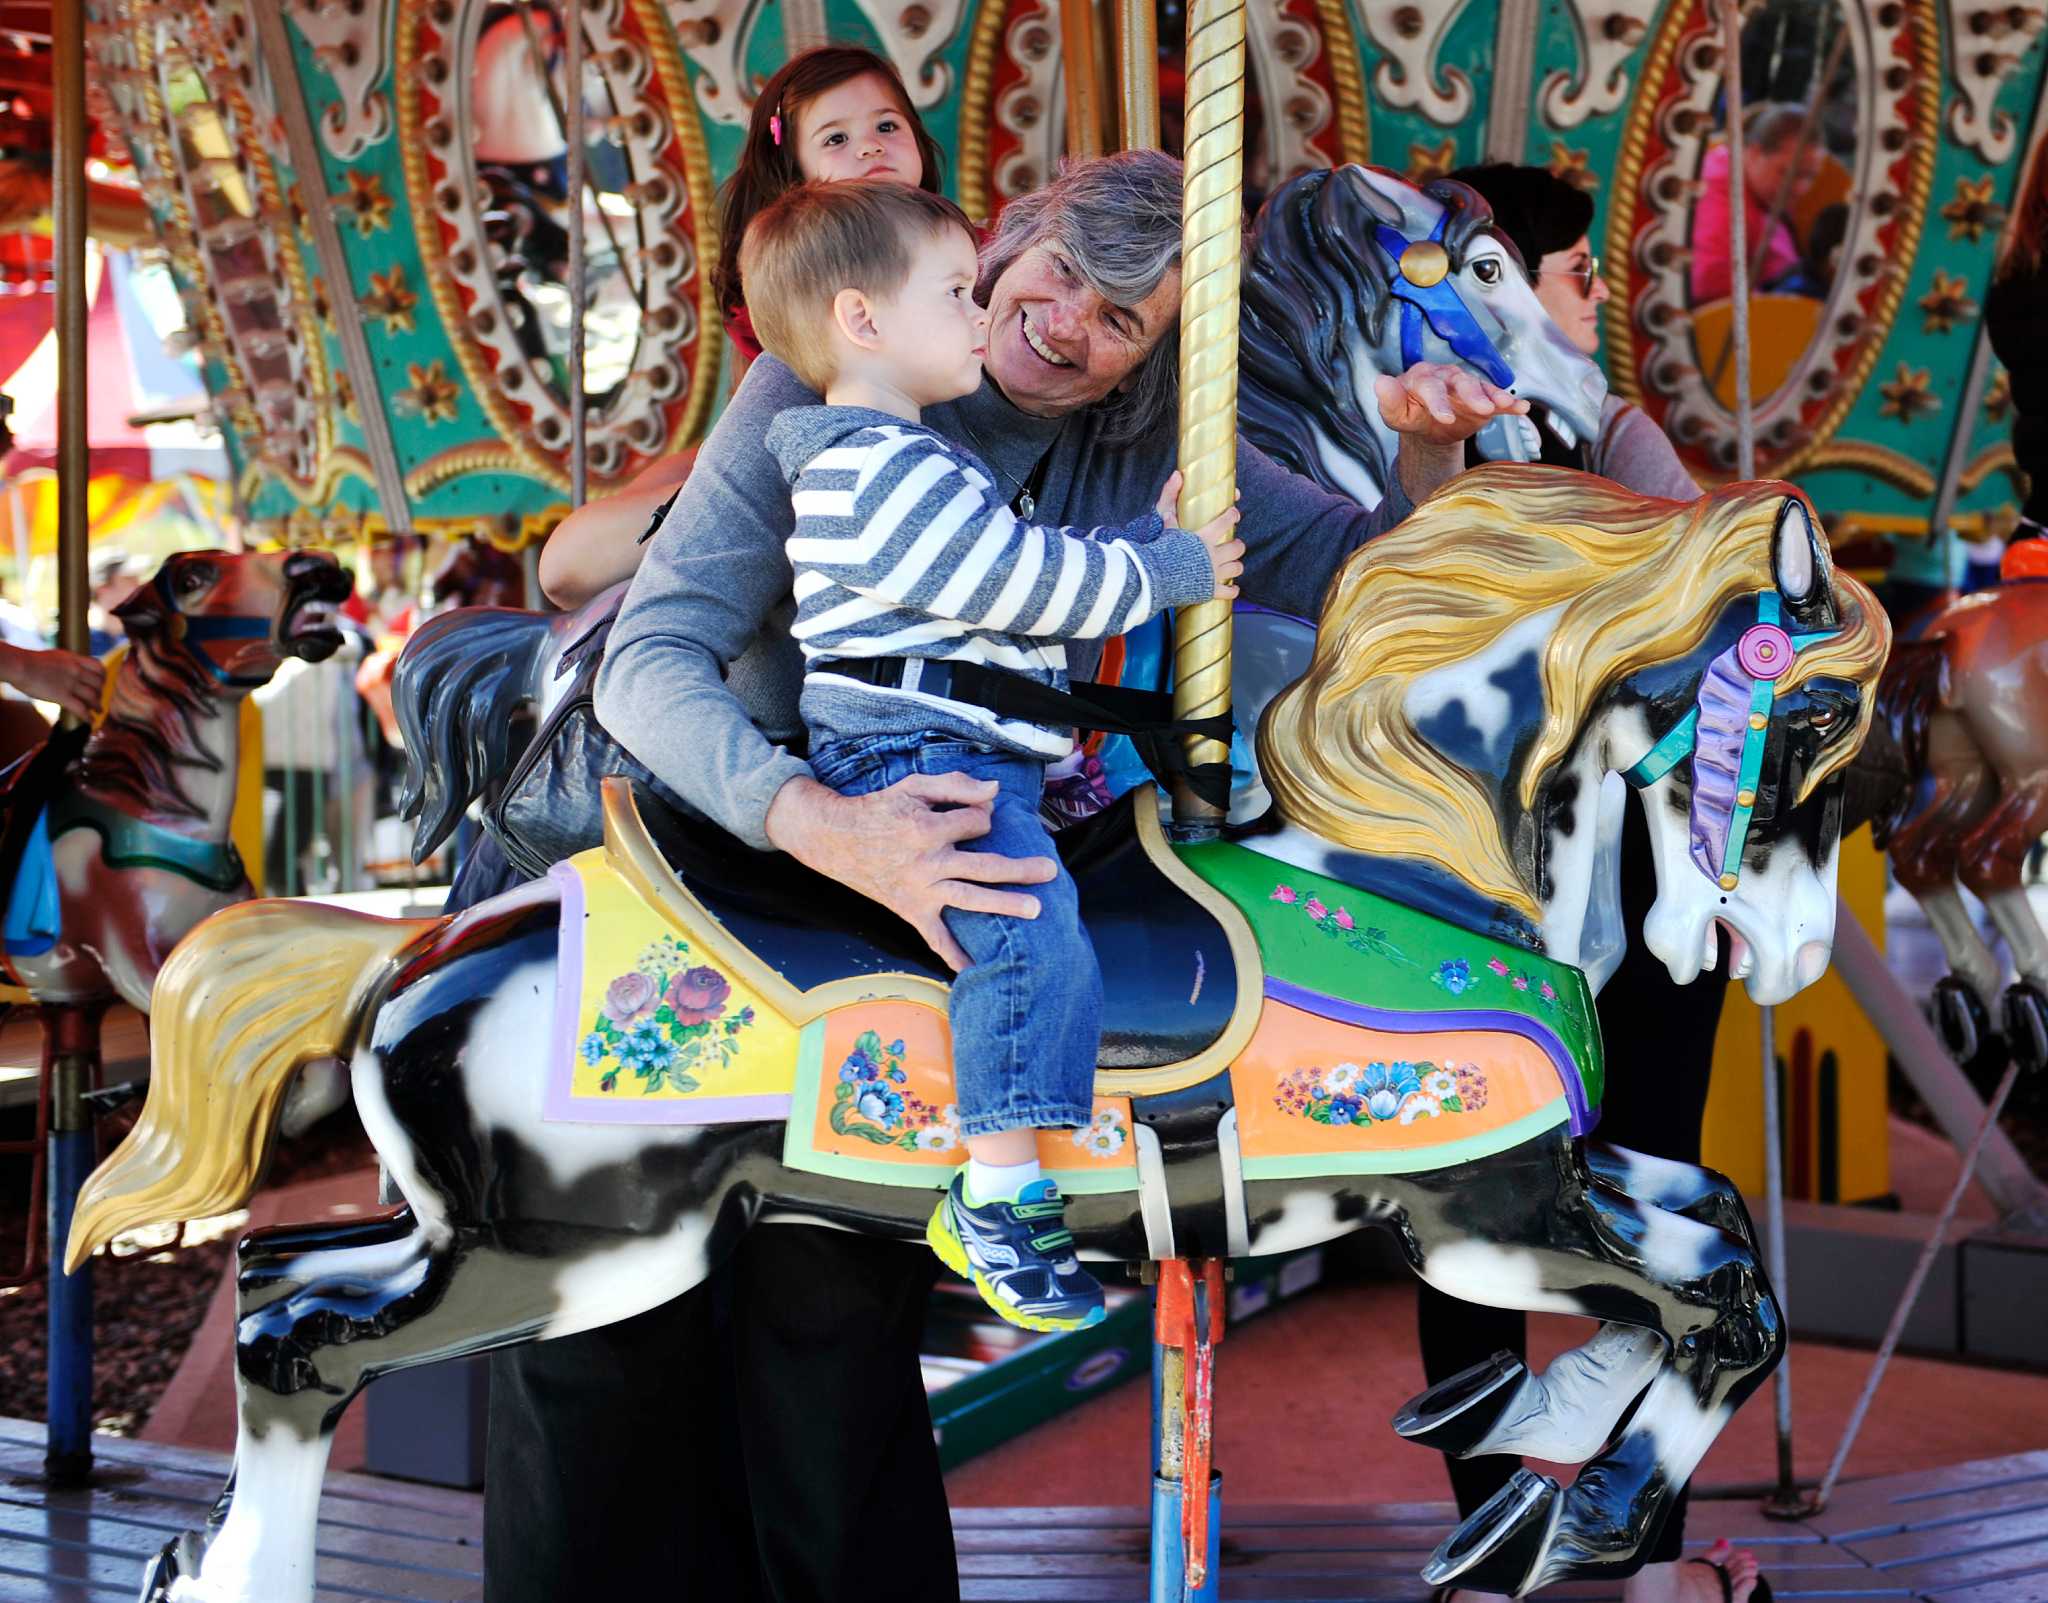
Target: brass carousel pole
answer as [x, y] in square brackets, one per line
[1212, 229]
[70, 1058]
[1137, 45]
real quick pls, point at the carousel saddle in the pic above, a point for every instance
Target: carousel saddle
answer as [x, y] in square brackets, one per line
[1170, 982]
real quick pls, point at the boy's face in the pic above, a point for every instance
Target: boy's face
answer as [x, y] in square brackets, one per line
[933, 335]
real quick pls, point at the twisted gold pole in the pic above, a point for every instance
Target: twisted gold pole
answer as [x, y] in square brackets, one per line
[1212, 223]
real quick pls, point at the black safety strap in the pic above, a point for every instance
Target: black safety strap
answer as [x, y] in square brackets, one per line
[1145, 717]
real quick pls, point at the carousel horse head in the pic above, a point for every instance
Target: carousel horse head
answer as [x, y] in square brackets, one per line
[229, 619]
[1354, 273]
[1479, 671]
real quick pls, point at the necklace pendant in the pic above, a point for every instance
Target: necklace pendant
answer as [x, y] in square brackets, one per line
[1025, 505]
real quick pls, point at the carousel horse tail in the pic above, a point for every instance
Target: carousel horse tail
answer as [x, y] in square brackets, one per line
[245, 1001]
[459, 683]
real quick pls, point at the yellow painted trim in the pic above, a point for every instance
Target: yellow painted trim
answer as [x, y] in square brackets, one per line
[632, 854]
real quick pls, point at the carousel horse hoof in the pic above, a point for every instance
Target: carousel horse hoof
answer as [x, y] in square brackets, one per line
[1964, 1024]
[179, 1559]
[1454, 1416]
[1498, 1548]
[2026, 1025]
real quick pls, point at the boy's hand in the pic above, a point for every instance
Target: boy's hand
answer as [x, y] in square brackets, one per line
[1169, 501]
[1226, 552]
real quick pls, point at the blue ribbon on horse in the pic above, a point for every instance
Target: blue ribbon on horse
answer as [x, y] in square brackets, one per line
[1437, 303]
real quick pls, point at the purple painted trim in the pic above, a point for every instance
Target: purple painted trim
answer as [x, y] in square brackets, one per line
[1273, 612]
[1378, 1018]
[679, 1110]
[559, 1105]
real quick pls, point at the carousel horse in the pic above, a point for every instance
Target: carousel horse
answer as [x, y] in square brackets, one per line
[1361, 1011]
[120, 837]
[1353, 273]
[1963, 703]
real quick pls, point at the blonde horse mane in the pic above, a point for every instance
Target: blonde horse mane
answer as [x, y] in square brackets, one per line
[1638, 581]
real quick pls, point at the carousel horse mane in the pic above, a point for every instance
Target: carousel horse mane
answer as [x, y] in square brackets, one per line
[461, 681]
[1313, 280]
[1636, 581]
[152, 732]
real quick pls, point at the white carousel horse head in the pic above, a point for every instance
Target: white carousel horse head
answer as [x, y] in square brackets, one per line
[1355, 273]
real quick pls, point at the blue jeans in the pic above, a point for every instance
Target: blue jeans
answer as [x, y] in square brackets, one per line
[1027, 1017]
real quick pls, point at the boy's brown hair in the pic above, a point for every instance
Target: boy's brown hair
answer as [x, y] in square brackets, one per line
[813, 241]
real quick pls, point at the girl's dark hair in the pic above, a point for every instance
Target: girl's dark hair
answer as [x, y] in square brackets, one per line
[767, 166]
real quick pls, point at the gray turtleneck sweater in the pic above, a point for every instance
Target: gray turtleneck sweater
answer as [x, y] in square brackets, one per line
[701, 678]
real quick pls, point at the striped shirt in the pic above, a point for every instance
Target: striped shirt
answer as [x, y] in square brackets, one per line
[903, 548]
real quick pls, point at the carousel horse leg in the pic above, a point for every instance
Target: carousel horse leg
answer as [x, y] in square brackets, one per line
[1590, 1251]
[321, 1313]
[71, 1060]
[1994, 859]
[1565, 1413]
[1926, 854]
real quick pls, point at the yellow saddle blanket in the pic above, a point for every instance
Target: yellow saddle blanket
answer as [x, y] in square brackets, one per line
[660, 1018]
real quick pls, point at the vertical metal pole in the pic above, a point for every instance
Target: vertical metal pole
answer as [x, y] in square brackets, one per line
[1212, 254]
[1137, 43]
[1514, 81]
[579, 424]
[1784, 1501]
[1738, 239]
[1083, 78]
[68, 1447]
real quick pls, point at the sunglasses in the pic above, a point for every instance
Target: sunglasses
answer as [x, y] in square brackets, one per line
[1587, 276]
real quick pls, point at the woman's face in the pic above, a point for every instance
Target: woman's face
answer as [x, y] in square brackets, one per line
[1055, 345]
[1561, 287]
[856, 129]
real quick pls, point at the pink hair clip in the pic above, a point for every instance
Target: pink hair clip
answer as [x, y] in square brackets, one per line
[775, 127]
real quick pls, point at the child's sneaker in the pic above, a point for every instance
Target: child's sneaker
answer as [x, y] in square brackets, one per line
[1020, 1256]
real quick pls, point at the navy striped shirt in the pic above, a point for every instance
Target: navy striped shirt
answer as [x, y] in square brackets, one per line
[903, 548]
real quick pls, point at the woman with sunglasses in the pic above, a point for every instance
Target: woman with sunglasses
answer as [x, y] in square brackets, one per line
[1644, 1017]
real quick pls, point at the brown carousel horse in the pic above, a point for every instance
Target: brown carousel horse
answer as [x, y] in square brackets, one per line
[117, 839]
[1963, 703]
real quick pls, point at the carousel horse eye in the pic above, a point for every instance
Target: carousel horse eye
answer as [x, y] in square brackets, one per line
[1487, 270]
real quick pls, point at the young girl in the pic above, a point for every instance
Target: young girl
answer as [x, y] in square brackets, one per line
[831, 113]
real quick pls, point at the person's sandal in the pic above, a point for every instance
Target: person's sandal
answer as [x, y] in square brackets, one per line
[1762, 1594]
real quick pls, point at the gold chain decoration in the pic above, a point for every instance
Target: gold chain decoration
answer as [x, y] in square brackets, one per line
[1340, 49]
[1212, 227]
[977, 107]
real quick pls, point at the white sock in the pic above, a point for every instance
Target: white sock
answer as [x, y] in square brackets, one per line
[998, 1182]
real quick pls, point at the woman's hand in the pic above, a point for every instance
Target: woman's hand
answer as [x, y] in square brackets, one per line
[73, 682]
[897, 848]
[1436, 408]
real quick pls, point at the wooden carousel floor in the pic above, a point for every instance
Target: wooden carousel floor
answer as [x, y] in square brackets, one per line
[1970, 1533]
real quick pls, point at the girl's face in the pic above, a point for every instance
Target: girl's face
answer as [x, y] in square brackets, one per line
[857, 130]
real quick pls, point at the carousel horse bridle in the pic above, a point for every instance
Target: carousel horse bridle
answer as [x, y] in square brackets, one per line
[195, 631]
[1421, 287]
[1733, 709]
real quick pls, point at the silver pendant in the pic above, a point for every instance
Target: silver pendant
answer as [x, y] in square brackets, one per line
[1025, 505]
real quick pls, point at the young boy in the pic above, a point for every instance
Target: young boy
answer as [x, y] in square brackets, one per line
[908, 562]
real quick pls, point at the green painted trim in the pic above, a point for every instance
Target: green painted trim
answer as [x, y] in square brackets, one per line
[1412, 1160]
[1396, 957]
[800, 1152]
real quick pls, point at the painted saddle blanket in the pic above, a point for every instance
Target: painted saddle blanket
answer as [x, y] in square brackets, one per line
[1384, 1040]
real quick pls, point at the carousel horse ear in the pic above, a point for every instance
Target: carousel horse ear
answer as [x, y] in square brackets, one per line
[1794, 557]
[1374, 185]
[143, 612]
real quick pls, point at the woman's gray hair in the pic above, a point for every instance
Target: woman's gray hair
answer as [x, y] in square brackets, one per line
[1117, 218]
